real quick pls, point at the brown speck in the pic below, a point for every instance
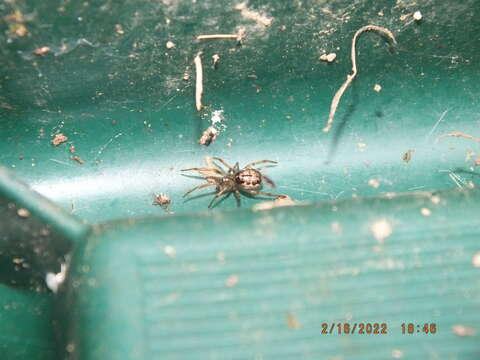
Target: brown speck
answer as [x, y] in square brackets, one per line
[41, 51]
[17, 16]
[477, 161]
[119, 29]
[293, 322]
[425, 211]
[163, 201]
[462, 330]
[72, 149]
[18, 261]
[78, 159]
[232, 280]
[23, 213]
[59, 139]
[209, 135]
[381, 230]
[407, 156]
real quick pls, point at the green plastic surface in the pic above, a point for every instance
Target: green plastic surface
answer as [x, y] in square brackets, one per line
[123, 103]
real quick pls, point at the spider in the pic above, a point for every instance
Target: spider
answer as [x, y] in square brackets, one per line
[247, 181]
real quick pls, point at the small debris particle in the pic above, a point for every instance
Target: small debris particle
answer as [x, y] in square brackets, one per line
[59, 139]
[293, 322]
[462, 330]
[41, 51]
[18, 261]
[209, 135]
[417, 15]
[404, 17]
[374, 183]
[477, 161]
[186, 76]
[78, 159]
[18, 29]
[16, 16]
[336, 227]
[215, 59]
[232, 280]
[72, 149]
[377, 88]
[397, 354]
[281, 201]
[283, 27]
[407, 156]
[198, 81]
[169, 250]
[23, 213]
[459, 134]
[361, 146]
[170, 45]
[469, 155]
[162, 200]
[380, 13]
[425, 211]
[328, 57]
[381, 230]
[253, 15]
[435, 199]
[476, 260]
[119, 29]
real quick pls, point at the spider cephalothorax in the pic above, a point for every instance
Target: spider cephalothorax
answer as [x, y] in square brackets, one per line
[247, 181]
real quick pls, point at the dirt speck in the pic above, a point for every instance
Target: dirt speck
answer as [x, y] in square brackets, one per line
[78, 159]
[425, 211]
[119, 29]
[435, 199]
[72, 149]
[41, 51]
[170, 251]
[170, 45]
[328, 57]
[381, 230]
[397, 354]
[336, 227]
[59, 139]
[476, 260]
[23, 213]
[361, 146]
[407, 156]
[209, 135]
[374, 183]
[281, 201]
[477, 161]
[232, 280]
[417, 15]
[293, 322]
[377, 88]
[163, 201]
[462, 330]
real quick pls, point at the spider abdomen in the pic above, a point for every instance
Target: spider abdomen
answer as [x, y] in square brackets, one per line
[249, 179]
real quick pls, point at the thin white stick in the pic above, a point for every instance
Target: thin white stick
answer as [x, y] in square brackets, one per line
[199, 81]
[218, 36]
[350, 77]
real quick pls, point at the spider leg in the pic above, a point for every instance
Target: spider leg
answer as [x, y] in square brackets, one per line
[264, 194]
[268, 181]
[198, 188]
[249, 165]
[223, 162]
[236, 193]
[217, 195]
[205, 169]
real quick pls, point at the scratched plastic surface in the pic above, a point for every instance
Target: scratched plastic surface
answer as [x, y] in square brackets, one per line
[119, 95]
